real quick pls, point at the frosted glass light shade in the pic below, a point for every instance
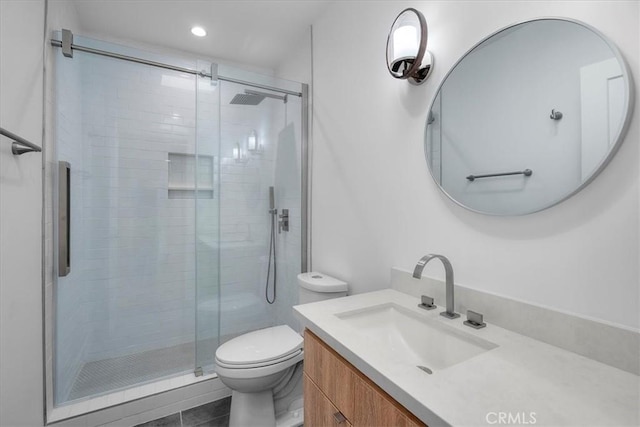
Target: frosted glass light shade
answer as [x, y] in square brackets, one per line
[405, 42]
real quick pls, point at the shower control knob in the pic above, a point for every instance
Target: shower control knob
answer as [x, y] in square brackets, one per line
[283, 222]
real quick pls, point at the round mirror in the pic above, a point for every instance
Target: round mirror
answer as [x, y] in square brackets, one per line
[407, 55]
[528, 117]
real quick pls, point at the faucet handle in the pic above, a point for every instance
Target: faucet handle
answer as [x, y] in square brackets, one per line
[427, 303]
[474, 320]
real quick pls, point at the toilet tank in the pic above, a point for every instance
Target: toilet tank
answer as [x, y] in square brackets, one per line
[316, 286]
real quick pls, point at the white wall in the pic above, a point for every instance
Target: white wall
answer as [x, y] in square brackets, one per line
[21, 384]
[375, 205]
[297, 65]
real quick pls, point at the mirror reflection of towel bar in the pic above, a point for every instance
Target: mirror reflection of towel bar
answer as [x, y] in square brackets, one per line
[526, 172]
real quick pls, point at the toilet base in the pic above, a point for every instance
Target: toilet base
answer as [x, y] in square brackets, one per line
[252, 409]
[294, 416]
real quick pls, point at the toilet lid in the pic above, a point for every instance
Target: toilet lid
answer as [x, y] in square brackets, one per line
[260, 346]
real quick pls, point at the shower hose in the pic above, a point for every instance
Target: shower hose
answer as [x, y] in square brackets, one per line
[272, 250]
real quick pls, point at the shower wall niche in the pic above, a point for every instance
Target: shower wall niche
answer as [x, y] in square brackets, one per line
[190, 175]
[169, 217]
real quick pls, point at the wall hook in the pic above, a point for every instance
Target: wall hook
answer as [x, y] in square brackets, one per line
[555, 115]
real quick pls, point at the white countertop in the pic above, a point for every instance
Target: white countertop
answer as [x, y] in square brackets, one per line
[522, 380]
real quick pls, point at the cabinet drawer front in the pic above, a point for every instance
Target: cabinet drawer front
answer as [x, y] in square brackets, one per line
[374, 409]
[318, 410]
[333, 376]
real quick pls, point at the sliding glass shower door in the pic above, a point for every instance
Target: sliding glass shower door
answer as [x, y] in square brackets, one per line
[162, 190]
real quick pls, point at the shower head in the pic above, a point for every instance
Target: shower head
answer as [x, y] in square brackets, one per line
[247, 99]
[254, 97]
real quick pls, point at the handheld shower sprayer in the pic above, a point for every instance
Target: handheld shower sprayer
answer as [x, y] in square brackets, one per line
[272, 202]
[272, 247]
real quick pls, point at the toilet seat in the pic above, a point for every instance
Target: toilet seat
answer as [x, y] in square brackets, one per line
[260, 348]
[239, 372]
[260, 364]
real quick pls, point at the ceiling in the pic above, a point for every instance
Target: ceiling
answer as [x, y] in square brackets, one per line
[256, 32]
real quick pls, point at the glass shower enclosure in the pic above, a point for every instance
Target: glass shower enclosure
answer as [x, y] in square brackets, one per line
[167, 240]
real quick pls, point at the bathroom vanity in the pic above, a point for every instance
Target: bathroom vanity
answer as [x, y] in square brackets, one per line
[336, 393]
[378, 359]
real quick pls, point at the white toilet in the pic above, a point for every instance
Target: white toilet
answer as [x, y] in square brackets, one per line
[265, 363]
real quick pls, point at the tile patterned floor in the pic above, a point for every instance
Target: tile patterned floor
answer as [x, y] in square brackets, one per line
[214, 414]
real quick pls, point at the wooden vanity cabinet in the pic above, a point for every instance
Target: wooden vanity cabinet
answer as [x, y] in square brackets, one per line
[318, 409]
[334, 376]
[337, 394]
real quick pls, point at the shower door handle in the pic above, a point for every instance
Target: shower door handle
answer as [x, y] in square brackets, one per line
[64, 218]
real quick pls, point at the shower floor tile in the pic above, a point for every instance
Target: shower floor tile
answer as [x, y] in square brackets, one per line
[116, 373]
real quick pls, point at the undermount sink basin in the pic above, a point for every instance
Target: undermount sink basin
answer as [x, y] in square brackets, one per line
[408, 338]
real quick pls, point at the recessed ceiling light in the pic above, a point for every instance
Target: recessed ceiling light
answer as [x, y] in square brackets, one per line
[198, 31]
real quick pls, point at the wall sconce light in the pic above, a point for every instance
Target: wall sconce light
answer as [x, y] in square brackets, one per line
[252, 141]
[407, 54]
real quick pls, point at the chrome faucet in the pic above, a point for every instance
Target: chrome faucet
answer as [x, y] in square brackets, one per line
[448, 269]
